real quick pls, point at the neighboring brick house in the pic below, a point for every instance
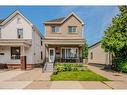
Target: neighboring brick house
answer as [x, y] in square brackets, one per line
[64, 39]
[97, 55]
[20, 42]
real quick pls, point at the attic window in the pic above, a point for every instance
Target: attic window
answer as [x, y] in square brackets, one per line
[18, 20]
[20, 33]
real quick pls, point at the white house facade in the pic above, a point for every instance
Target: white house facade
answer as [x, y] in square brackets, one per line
[97, 55]
[20, 42]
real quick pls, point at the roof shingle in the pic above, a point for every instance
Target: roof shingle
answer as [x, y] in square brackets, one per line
[56, 20]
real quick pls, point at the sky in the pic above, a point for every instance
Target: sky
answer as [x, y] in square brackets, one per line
[95, 18]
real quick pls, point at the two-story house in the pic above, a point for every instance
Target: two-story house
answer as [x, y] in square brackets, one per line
[64, 39]
[20, 42]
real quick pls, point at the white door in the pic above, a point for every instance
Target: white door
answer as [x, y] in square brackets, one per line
[51, 54]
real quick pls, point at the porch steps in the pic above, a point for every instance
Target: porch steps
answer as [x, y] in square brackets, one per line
[48, 67]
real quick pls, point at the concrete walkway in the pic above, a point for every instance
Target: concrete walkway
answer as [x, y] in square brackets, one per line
[35, 79]
[119, 80]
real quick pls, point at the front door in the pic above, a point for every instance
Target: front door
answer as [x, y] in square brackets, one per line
[51, 54]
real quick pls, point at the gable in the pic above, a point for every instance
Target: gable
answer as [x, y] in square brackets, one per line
[72, 21]
[12, 16]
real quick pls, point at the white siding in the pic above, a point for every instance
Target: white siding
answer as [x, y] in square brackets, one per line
[6, 58]
[99, 56]
[9, 30]
[36, 43]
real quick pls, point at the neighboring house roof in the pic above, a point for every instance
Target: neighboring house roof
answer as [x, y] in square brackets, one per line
[95, 44]
[56, 20]
[14, 14]
[63, 19]
[4, 21]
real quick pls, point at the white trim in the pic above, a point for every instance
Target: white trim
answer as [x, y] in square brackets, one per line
[69, 48]
[12, 15]
[49, 53]
[75, 16]
[66, 19]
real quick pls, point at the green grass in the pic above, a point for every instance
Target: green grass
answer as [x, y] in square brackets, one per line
[86, 75]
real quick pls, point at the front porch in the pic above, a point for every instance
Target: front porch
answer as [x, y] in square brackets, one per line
[63, 50]
[13, 53]
[64, 53]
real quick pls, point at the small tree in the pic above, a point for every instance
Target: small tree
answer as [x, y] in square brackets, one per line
[85, 51]
[115, 38]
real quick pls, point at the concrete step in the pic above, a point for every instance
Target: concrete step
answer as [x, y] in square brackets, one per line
[49, 67]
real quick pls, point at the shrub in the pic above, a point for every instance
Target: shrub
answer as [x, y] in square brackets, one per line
[120, 64]
[60, 68]
[67, 67]
[124, 68]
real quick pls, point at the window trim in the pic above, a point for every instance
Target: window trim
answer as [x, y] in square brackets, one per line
[72, 29]
[14, 58]
[17, 33]
[55, 28]
[91, 55]
[65, 48]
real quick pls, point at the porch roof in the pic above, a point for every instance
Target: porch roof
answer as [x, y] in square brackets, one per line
[64, 41]
[15, 42]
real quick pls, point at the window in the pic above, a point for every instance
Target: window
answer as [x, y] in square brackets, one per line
[18, 20]
[41, 55]
[15, 52]
[41, 41]
[91, 54]
[0, 32]
[55, 28]
[20, 33]
[69, 53]
[72, 29]
[1, 53]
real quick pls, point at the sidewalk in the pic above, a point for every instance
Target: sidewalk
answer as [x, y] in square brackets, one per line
[119, 80]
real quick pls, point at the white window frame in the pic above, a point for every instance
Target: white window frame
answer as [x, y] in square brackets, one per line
[72, 28]
[18, 33]
[56, 29]
[70, 48]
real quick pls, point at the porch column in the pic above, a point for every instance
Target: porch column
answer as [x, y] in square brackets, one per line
[23, 58]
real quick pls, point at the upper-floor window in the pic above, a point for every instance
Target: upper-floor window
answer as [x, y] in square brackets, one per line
[55, 28]
[41, 41]
[72, 29]
[18, 20]
[20, 33]
[0, 32]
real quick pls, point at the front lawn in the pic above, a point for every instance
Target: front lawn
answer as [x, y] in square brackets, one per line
[86, 75]
[75, 72]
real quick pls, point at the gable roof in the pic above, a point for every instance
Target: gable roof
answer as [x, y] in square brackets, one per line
[4, 21]
[14, 14]
[1, 20]
[63, 19]
[56, 20]
[95, 44]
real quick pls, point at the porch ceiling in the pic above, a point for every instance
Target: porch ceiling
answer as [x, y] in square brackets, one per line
[15, 42]
[64, 41]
